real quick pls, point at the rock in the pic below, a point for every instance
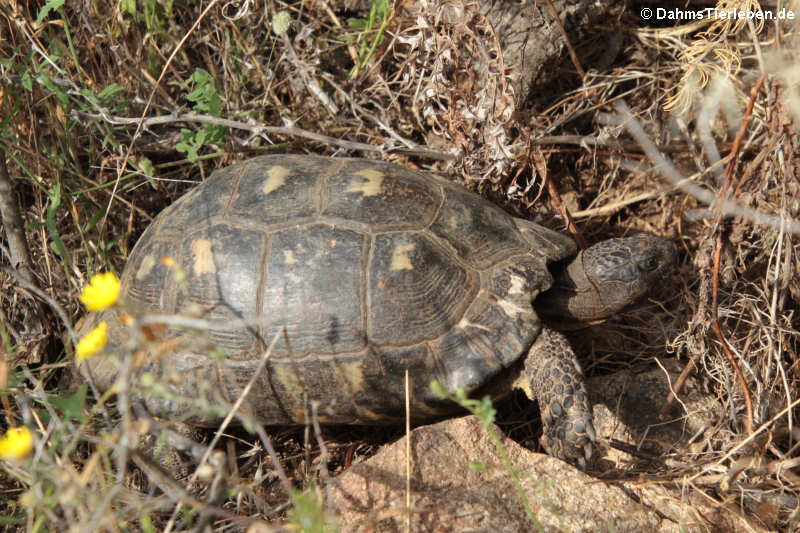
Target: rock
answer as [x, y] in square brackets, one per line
[459, 483]
[627, 406]
[626, 409]
[533, 43]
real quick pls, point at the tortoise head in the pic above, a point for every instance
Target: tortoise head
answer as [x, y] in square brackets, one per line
[606, 277]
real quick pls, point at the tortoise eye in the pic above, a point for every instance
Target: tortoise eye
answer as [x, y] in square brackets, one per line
[649, 263]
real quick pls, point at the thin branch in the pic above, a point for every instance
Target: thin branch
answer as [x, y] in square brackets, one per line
[572, 55]
[718, 463]
[723, 194]
[139, 126]
[14, 225]
[689, 368]
[232, 413]
[541, 167]
[259, 129]
[728, 208]
[721, 338]
[27, 285]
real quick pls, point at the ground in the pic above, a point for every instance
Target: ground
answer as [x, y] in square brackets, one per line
[111, 111]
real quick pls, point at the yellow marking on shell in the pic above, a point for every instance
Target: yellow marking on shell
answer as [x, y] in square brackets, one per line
[203, 257]
[289, 258]
[517, 285]
[287, 373]
[352, 373]
[348, 377]
[400, 259]
[289, 378]
[372, 187]
[147, 265]
[276, 177]
[464, 324]
[366, 414]
[511, 308]
[462, 218]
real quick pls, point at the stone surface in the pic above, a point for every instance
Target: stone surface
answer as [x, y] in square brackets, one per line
[622, 491]
[627, 405]
[532, 42]
[650, 450]
[450, 493]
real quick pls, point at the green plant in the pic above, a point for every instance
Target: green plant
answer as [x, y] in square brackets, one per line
[56, 244]
[206, 100]
[308, 513]
[380, 13]
[156, 16]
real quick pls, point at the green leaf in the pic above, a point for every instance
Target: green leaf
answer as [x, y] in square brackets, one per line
[94, 219]
[438, 389]
[307, 513]
[49, 6]
[72, 404]
[146, 166]
[109, 93]
[128, 6]
[147, 524]
[206, 100]
[54, 88]
[56, 244]
[18, 519]
[357, 24]
[27, 81]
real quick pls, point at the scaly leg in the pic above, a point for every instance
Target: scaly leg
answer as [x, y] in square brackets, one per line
[553, 376]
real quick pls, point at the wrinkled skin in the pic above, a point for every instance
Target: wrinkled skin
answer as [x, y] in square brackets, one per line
[599, 282]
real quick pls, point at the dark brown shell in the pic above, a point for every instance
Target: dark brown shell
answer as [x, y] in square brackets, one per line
[366, 268]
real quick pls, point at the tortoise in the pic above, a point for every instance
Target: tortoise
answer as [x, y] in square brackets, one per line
[362, 270]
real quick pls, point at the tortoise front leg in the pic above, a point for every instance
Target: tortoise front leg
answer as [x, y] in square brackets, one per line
[553, 376]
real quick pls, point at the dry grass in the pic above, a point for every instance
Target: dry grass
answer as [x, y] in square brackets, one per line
[430, 90]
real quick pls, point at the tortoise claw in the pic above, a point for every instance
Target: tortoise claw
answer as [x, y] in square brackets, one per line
[569, 433]
[590, 432]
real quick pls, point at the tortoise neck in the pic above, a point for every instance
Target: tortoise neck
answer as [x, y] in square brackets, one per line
[572, 297]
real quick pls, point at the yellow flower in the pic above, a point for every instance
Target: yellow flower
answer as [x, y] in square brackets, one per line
[16, 444]
[101, 293]
[92, 342]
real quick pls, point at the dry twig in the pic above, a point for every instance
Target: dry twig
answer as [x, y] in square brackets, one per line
[541, 168]
[20, 255]
[258, 129]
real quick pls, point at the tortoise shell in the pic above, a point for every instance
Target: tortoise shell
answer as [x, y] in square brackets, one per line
[362, 269]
